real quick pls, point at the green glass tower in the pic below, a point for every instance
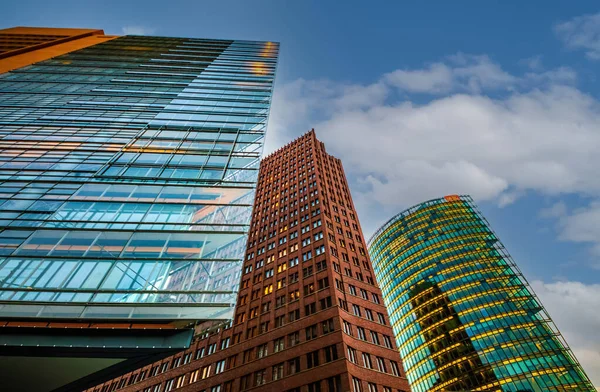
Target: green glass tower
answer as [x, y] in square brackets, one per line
[464, 316]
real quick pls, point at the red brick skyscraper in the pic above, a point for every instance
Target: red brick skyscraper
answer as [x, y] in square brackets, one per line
[310, 316]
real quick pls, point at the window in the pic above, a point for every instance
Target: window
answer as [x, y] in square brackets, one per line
[381, 365]
[264, 327]
[260, 377]
[372, 387]
[312, 359]
[347, 328]
[308, 271]
[278, 345]
[322, 283]
[176, 362]
[279, 321]
[279, 301]
[293, 277]
[169, 385]
[395, 368]
[293, 339]
[351, 354]
[356, 385]
[356, 310]
[164, 367]
[307, 256]
[361, 333]
[374, 337]
[325, 302]
[262, 351]
[220, 366]
[311, 332]
[247, 355]
[381, 318]
[327, 326]
[334, 384]
[231, 361]
[369, 314]
[281, 283]
[321, 265]
[310, 308]
[194, 376]
[330, 353]
[314, 386]
[294, 365]
[277, 371]
[375, 298]
[320, 250]
[352, 289]
[367, 361]
[387, 341]
[294, 315]
[245, 382]
[206, 371]
[224, 343]
[294, 295]
[309, 289]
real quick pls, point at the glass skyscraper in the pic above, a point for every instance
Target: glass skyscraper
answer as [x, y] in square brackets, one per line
[127, 177]
[464, 316]
[128, 168]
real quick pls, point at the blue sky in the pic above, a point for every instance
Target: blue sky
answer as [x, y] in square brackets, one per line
[496, 99]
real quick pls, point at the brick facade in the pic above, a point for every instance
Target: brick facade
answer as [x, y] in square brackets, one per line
[310, 316]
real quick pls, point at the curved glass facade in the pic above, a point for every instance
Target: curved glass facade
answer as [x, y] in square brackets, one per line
[127, 178]
[464, 316]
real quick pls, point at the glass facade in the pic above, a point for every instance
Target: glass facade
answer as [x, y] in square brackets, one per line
[127, 177]
[464, 316]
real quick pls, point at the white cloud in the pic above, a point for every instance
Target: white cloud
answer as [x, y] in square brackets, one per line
[298, 103]
[581, 32]
[540, 140]
[533, 62]
[578, 225]
[472, 74]
[573, 307]
[557, 210]
[437, 78]
[484, 132]
[138, 30]
[461, 73]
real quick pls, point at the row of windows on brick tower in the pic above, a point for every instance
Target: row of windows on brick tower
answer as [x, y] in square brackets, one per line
[309, 315]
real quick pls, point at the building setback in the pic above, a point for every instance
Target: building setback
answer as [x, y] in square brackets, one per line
[464, 316]
[128, 168]
[309, 315]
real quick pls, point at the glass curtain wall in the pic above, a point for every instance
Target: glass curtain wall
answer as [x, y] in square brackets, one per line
[464, 316]
[127, 177]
